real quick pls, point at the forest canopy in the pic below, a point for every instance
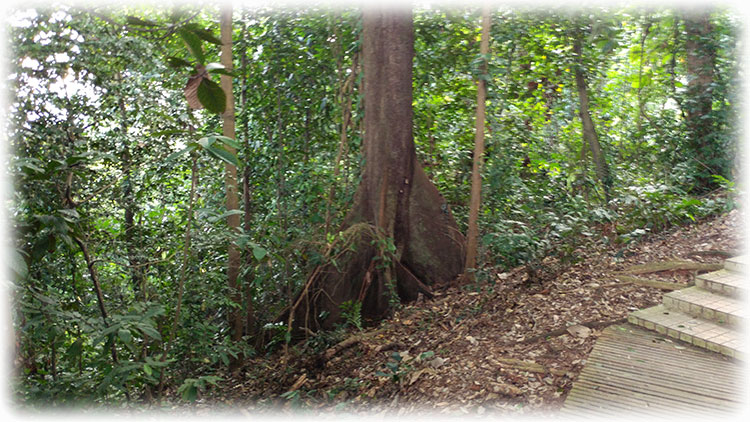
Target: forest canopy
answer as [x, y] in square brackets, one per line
[153, 248]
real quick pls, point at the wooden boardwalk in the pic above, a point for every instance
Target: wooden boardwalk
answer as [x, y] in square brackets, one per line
[636, 372]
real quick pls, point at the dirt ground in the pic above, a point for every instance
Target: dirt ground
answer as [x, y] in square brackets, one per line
[505, 345]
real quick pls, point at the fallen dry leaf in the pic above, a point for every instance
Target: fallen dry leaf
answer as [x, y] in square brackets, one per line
[579, 331]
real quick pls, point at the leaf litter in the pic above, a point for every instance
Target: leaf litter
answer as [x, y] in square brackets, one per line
[497, 346]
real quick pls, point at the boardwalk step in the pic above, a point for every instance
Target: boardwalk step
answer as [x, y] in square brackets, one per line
[719, 338]
[701, 303]
[632, 371]
[726, 282]
[740, 264]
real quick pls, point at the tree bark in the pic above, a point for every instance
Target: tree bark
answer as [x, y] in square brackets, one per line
[472, 233]
[589, 131]
[700, 60]
[400, 234]
[250, 321]
[230, 179]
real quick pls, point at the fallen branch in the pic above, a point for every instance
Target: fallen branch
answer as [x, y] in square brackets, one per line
[713, 252]
[657, 284]
[654, 267]
[345, 344]
[297, 384]
[594, 325]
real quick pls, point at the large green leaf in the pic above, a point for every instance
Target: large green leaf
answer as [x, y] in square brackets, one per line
[228, 141]
[212, 96]
[222, 154]
[193, 44]
[204, 34]
[176, 62]
[259, 253]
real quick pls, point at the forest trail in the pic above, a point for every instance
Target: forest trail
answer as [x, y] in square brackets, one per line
[504, 345]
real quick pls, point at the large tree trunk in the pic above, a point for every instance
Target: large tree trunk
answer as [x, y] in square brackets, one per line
[589, 131]
[395, 199]
[701, 57]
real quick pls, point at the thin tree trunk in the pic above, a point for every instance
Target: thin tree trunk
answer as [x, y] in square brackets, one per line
[589, 131]
[230, 179]
[472, 235]
[98, 290]
[246, 189]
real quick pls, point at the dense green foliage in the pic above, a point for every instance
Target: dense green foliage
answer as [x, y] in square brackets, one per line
[104, 146]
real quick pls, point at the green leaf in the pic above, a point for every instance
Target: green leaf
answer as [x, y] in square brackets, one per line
[190, 392]
[132, 20]
[224, 155]
[29, 166]
[147, 369]
[193, 44]
[176, 63]
[259, 253]
[75, 349]
[231, 212]
[228, 141]
[426, 355]
[177, 154]
[125, 336]
[206, 141]
[204, 34]
[211, 96]
[149, 331]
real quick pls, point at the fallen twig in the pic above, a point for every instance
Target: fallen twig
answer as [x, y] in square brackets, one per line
[657, 284]
[654, 267]
[712, 252]
[564, 330]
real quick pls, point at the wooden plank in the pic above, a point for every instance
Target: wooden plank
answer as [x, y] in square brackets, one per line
[656, 357]
[673, 359]
[709, 384]
[627, 400]
[658, 391]
[614, 401]
[656, 344]
[631, 370]
[665, 362]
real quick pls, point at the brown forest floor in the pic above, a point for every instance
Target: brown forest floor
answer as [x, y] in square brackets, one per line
[481, 348]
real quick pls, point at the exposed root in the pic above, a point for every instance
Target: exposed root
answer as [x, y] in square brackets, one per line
[654, 267]
[657, 284]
